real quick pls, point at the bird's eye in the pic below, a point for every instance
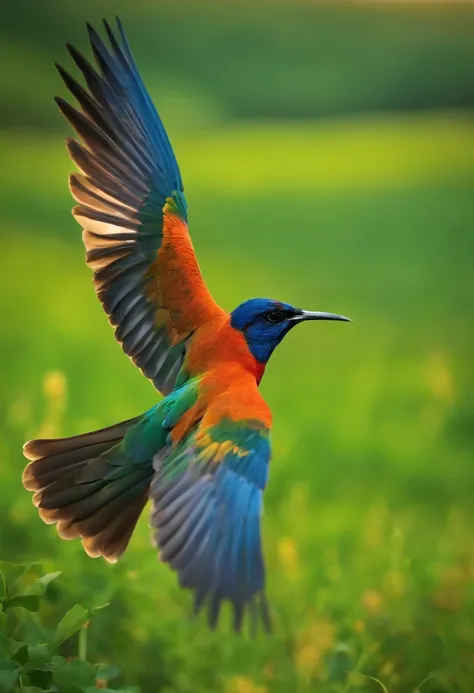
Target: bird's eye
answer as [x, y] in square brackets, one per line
[275, 316]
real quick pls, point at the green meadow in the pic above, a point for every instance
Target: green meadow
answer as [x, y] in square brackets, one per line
[368, 525]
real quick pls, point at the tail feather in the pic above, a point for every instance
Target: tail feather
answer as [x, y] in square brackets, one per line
[90, 487]
[113, 540]
[47, 447]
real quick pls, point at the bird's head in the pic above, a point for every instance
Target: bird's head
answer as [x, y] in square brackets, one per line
[264, 322]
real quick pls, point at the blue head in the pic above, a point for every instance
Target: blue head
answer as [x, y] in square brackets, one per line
[265, 322]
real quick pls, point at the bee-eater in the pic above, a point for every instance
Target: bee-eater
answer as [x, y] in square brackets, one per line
[200, 455]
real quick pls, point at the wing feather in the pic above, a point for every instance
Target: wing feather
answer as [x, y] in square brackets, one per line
[207, 503]
[132, 208]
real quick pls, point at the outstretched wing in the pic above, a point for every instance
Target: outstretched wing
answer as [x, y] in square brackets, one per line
[133, 211]
[207, 503]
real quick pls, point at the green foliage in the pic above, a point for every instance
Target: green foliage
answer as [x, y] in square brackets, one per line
[29, 659]
[11, 592]
[242, 59]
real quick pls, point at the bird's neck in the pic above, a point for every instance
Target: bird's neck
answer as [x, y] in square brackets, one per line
[261, 351]
[221, 346]
[259, 371]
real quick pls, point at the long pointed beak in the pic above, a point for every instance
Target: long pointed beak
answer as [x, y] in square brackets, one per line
[320, 315]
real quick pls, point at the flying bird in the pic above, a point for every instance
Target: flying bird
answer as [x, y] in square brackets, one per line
[201, 455]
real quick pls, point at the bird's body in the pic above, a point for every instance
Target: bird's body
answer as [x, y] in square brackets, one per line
[201, 455]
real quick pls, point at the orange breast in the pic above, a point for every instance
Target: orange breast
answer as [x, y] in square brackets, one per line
[232, 393]
[230, 378]
[226, 392]
[218, 345]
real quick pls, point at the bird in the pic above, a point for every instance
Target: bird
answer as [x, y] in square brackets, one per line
[201, 455]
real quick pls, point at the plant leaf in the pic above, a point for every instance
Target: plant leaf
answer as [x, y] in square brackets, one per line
[29, 584]
[41, 583]
[30, 602]
[70, 624]
[73, 674]
[10, 574]
[372, 678]
[39, 657]
[9, 675]
[108, 672]
[41, 679]
[15, 650]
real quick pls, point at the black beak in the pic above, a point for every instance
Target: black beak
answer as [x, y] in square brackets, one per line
[319, 315]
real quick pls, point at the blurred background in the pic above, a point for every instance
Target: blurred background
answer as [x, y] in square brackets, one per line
[327, 151]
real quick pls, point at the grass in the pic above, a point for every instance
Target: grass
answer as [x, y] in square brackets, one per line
[368, 524]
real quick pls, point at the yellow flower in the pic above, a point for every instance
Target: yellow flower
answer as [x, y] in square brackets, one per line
[241, 684]
[387, 668]
[54, 385]
[311, 647]
[372, 601]
[289, 558]
[54, 390]
[439, 377]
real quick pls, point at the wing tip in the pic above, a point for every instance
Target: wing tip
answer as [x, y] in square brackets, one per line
[59, 68]
[68, 111]
[74, 147]
[90, 29]
[72, 50]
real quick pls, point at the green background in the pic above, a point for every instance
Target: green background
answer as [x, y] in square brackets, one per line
[328, 158]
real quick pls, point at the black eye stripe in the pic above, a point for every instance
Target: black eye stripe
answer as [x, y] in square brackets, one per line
[280, 314]
[276, 316]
